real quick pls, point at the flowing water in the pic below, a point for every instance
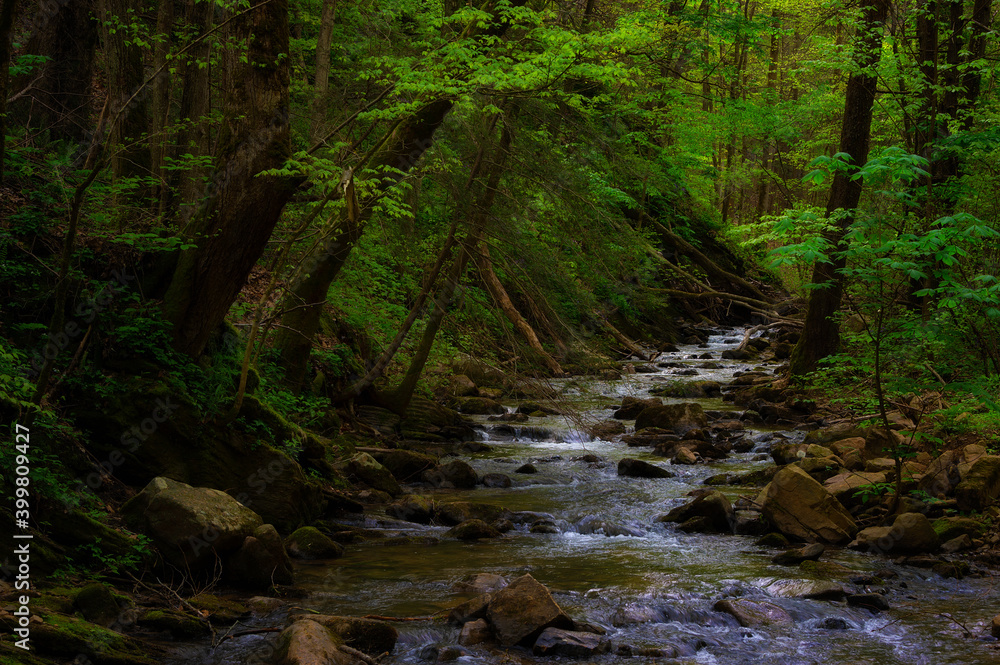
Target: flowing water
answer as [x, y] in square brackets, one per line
[612, 564]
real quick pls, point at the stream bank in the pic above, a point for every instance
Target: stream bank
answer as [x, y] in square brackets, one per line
[595, 539]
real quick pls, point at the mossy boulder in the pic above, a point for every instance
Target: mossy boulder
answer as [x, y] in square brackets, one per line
[98, 604]
[480, 406]
[407, 465]
[773, 539]
[308, 542]
[472, 530]
[948, 528]
[178, 624]
[454, 474]
[412, 508]
[457, 512]
[364, 468]
[633, 406]
[980, 486]
[190, 526]
[677, 417]
[606, 429]
[65, 637]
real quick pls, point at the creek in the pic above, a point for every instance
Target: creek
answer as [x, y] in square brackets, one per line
[650, 585]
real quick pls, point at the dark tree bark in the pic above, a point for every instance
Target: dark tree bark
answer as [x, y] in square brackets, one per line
[130, 153]
[195, 105]
[6, 21]
[160, 112]
[60, 95]
[820, 334]
[233, 226]
[303, 304]
[322, 86]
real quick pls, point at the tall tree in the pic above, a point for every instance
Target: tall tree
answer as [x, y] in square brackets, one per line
[821, 333]
[242, 207]
[321, 87]
[124, 58]
[398, 152]
[6, 22]
[303, 305]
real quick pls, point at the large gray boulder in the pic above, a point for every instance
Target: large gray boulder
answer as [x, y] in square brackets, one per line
[190, 526]
[520, 612]
[800, 507]
[677, 417]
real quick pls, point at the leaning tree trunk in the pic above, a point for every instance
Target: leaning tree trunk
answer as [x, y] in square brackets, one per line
[303, 304]
[398, 400]
[499, 294]
[820, 334]
[233, 226]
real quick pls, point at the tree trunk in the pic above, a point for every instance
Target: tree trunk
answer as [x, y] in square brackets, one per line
[322, 85]
[233, 227]
[820, 334]
[160, 114]
[373, 374]
[399, 399]
[303, 304]
[131, 156]
[401, 150]
[6, 21]
[499, 295]
[60, 98]
[195, 106]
